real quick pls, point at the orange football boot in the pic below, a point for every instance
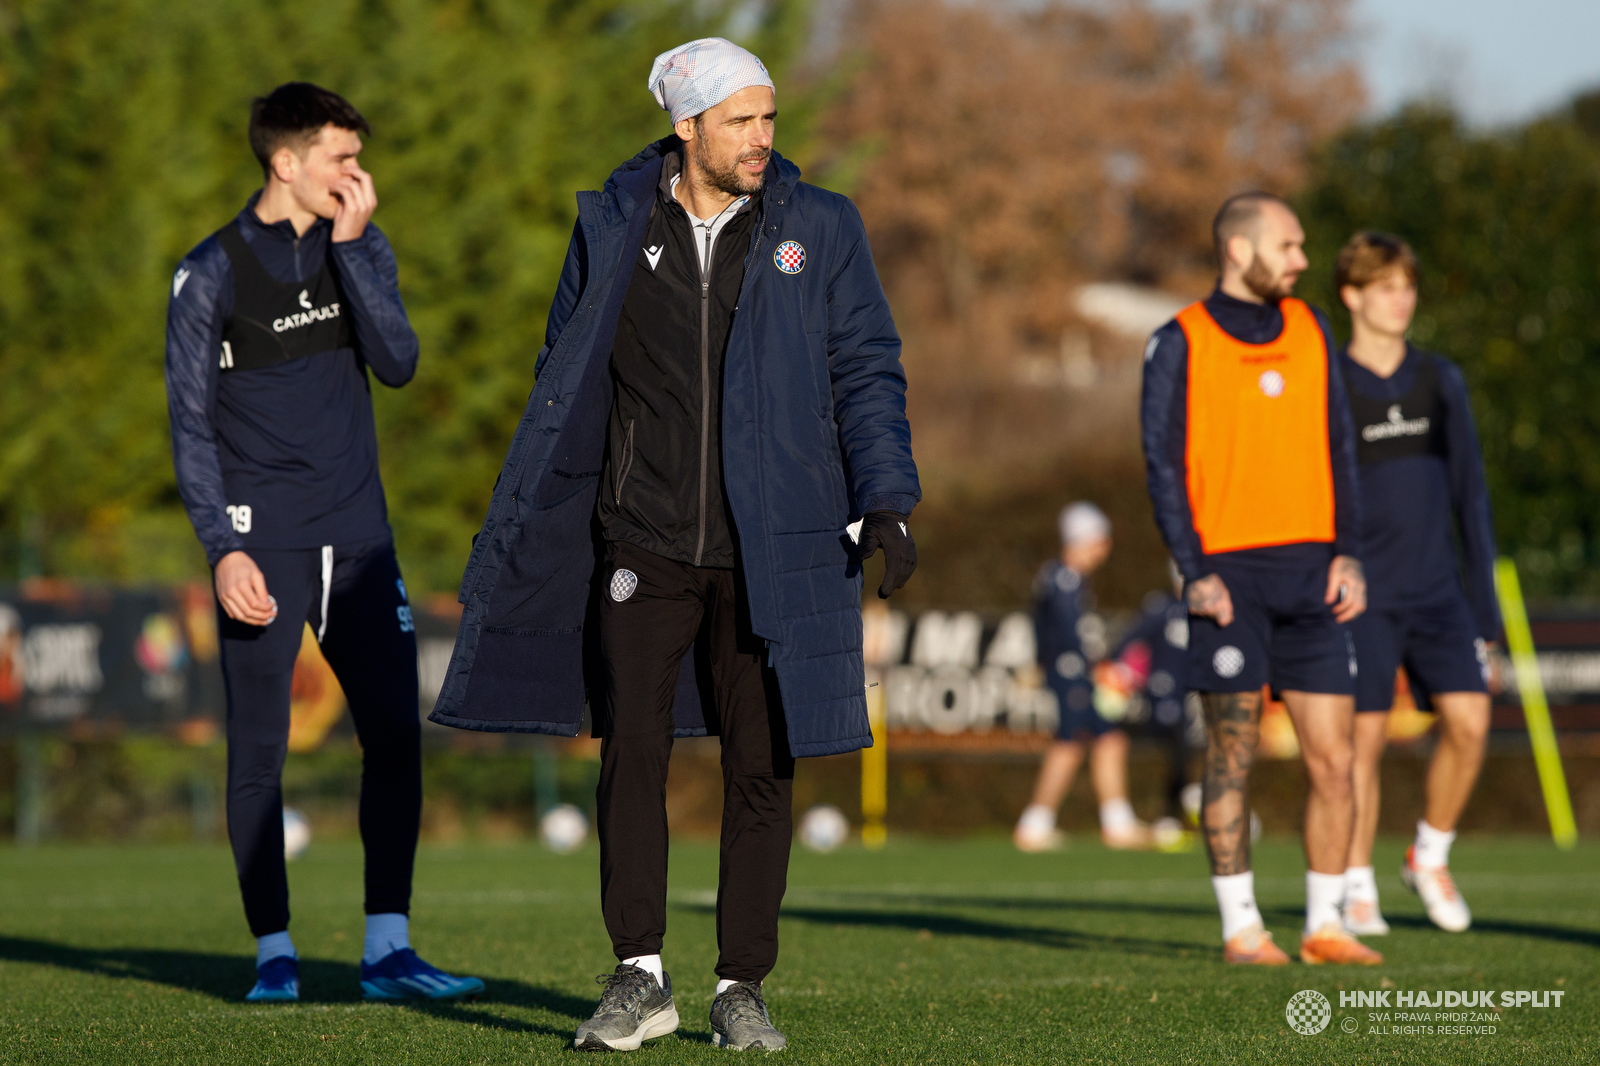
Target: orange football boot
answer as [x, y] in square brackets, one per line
[1331, 944]
[1254, 947]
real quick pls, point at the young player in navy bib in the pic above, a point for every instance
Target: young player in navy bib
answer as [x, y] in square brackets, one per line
[1430, 608]
[274, 323]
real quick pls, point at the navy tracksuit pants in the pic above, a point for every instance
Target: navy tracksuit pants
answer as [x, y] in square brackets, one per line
[355, 600]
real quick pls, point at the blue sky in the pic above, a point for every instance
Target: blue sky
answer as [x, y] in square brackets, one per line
[1498, 61]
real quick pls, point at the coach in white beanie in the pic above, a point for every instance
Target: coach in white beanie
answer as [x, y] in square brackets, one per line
[695, 77]
[716, 430]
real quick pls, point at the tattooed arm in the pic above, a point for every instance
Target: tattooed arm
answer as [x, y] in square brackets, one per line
[1347, 588]
[1233, 725]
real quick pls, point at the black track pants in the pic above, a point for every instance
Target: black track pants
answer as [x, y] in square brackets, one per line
[643, 639]
[358, 603]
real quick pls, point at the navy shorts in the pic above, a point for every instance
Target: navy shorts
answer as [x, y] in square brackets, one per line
[1075, 704]
[1282, 634]
[1438, 645]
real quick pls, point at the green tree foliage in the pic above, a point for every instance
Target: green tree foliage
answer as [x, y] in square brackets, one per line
[1507, 225]
[122, 145]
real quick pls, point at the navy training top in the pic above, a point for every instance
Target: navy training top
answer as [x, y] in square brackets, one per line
[1164, 420]
[293, 443]
[1422, 485]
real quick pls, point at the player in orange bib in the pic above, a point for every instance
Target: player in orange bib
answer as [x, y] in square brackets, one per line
[1251, 464]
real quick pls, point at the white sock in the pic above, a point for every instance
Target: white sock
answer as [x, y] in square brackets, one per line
[1116, 815]
[1360, 883]
[1432, 847]
[1324, 894]
[1037, 819]
[650, 963]
[725, 984]
[386, 934]
[273, 945]
[1236, 898]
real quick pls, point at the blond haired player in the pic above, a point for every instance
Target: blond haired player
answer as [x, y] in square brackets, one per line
[1431, 608]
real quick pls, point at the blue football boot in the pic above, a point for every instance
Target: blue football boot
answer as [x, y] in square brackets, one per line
[277, 981]
[402, 975]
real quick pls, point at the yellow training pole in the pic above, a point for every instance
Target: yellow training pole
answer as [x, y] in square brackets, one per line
[1546, 755]
[875, 771]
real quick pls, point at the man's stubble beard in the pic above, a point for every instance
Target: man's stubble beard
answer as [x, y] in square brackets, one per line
[1260, 279]
[728, 179]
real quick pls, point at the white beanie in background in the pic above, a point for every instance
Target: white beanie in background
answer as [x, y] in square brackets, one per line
[1083, 521]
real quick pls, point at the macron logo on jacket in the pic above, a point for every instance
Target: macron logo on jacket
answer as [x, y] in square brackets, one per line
[178, 279]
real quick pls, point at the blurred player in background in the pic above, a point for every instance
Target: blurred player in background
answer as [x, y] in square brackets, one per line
[274, 322]
[1422, 489]
[1071, 639]
[1251, 465]
[1150, 661]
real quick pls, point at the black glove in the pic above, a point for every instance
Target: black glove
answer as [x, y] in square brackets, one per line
[888, 530]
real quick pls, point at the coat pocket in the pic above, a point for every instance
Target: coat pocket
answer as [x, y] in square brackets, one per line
[817, 356]
[624, 463]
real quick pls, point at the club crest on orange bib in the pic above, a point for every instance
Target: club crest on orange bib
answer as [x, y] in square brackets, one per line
[790, 257]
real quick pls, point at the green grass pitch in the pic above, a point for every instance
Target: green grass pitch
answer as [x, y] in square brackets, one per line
[924, 953]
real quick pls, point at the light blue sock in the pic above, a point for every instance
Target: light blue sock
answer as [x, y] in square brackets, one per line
[386, 934]
[274, 945]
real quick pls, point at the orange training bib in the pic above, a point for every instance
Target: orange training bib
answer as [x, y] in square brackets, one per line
[1259, 468]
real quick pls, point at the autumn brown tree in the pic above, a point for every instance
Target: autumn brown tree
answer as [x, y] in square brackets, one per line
[1003, 156]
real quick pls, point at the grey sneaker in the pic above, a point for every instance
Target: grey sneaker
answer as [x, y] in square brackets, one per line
[632, 1009]
[739, 1020]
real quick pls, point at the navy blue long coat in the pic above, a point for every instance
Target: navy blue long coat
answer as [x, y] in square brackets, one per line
[814, 435]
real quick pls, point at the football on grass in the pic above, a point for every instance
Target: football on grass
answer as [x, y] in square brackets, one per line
[563, 828]
[296, 834]
[823, 828]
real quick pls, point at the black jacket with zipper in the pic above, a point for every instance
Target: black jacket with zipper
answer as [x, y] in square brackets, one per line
[662, 488]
